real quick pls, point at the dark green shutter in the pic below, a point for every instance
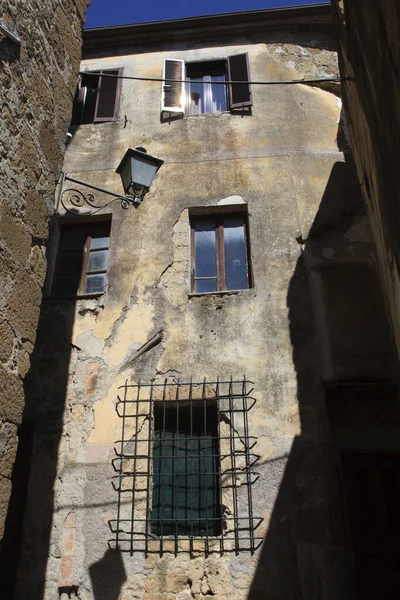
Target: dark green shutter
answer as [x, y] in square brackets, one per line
[186, 476]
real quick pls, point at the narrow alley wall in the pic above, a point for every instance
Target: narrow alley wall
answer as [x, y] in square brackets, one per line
[369, 54]
[38, 73]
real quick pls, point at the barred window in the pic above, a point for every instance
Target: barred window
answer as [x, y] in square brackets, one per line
[185, 468]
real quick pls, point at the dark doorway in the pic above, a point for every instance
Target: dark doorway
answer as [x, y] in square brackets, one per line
[372, 488]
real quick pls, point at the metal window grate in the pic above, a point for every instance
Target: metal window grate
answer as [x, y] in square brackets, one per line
[185, 468]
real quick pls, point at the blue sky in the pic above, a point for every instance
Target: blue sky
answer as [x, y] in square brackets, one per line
[119, 12]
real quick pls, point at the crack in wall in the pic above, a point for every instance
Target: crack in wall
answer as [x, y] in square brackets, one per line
[151, 343]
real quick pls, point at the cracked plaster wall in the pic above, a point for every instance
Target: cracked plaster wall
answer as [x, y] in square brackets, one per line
[279, 161]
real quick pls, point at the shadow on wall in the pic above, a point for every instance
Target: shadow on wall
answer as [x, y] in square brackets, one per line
[45, 396]
[306, 553]
[108, 576]
[27, 538]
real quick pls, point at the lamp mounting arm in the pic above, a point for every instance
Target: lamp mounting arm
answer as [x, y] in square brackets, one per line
[78, 199]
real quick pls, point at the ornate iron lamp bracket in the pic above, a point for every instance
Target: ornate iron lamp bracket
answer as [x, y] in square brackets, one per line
[72, 198]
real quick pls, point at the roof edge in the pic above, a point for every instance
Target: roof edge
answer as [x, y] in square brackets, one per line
[102, 41]
[264, 12]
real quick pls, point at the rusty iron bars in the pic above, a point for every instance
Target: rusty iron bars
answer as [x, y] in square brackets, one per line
[185, 468]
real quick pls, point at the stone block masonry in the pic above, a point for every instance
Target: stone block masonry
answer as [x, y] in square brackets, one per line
[37, 83]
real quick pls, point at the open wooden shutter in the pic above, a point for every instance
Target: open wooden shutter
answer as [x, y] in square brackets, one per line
[78, 104]
[173, 92]
[107, 104]
[238, 70]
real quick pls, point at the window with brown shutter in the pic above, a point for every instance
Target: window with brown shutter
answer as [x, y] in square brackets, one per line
[238, 70]
[97, 97]
[207, 88]
[82, 259]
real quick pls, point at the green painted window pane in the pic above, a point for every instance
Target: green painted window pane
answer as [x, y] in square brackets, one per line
[186, 472]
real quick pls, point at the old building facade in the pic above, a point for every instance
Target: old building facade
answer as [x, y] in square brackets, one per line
[40, 52]
[207, 350]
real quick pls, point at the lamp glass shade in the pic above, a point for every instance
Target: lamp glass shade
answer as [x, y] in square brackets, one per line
[137, 170]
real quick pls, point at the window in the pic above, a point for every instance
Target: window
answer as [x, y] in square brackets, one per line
[203, 91]
[184, 468]
[219, 253]
[185, 465]
[82, 259]
[97, 97]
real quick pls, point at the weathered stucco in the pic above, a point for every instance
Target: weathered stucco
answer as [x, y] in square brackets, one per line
[37, 82]
[305, 215]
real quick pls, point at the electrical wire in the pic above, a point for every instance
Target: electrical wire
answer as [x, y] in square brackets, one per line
[283, 82]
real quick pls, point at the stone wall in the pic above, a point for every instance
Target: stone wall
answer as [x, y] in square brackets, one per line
[37, 83]
[369, 53]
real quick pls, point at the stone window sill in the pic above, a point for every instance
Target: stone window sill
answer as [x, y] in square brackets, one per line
[78, 297]
[207, 115]
[220, 293]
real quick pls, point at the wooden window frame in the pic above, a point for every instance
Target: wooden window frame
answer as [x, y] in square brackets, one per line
[85, 251]
[79, 97]
[218, 218]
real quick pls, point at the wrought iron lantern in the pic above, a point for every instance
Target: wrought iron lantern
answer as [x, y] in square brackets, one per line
[137, 170]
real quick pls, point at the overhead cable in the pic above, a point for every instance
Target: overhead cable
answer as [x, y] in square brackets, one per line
[283, 82]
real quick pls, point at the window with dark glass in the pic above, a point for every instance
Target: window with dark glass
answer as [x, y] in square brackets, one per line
[220, 255]
[82, 259]
[186, 495]
[97, 97]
